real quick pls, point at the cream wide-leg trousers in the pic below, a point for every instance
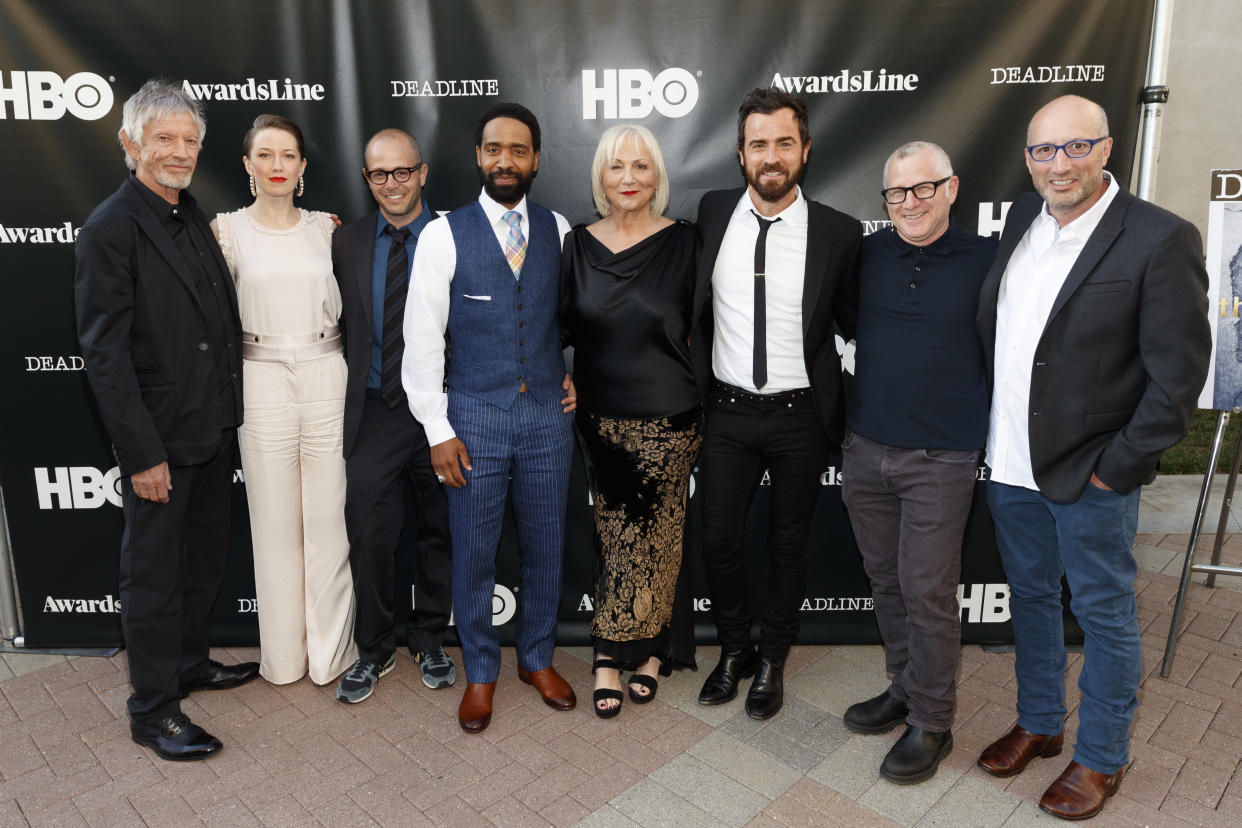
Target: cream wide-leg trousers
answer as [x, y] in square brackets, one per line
[295, 484]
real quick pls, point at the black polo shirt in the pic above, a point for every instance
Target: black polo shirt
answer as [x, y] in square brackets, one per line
[919, 377]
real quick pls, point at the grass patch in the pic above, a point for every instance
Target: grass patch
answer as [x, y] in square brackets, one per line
[1190, 456]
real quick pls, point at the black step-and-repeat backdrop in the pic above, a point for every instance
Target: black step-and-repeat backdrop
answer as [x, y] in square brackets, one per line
[967, 74]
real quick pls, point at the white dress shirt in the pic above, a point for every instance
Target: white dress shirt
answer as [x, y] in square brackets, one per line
[1032, 280]
[427, 310]
[733, 298]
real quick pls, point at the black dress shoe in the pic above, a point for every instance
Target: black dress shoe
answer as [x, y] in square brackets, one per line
[721, 684]
[767, 694]
[878, 715]
[176, 739]
[220, 677]
[916, 755]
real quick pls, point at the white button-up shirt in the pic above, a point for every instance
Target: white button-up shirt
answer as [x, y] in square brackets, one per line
[733, 298]
[1033, 278]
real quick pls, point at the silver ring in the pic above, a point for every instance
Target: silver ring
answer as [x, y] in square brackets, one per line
[441, 478]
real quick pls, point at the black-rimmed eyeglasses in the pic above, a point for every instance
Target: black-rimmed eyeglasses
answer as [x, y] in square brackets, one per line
[380, 177]
[922, 191]
[1078, 148]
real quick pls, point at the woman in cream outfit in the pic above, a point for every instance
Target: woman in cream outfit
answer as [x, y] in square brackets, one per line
[294, 393]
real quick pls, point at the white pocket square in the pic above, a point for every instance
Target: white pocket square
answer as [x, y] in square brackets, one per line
[480, 298]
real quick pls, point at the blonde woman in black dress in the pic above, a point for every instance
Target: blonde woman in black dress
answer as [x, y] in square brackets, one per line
[627, 282]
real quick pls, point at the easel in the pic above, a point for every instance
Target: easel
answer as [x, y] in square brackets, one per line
[1214, 568]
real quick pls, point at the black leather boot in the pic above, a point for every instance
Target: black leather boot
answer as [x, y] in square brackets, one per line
[878, 715]
[767, 694]
[916, 755]
[721, 684]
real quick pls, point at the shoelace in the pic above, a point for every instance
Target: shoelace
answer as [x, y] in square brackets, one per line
[435, 658]
[359, 671]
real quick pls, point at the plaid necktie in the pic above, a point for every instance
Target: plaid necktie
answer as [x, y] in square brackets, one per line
[515, 245]
[395, 286]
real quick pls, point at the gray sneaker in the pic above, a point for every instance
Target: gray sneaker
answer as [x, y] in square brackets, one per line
[359, 683]
[437, 667]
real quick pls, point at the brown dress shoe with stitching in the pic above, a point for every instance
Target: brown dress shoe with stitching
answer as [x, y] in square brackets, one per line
[1079, 792]
[555, 690]
[1010, 754]
[474, 713]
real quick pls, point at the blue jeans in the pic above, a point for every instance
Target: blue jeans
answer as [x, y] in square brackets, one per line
[1091, 542]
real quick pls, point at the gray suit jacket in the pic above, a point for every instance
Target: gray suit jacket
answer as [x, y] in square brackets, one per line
[1123, 354]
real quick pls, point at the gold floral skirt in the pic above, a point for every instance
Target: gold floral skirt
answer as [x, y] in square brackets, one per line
[639, 474]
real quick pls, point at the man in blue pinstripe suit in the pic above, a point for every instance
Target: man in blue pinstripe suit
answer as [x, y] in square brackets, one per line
[486, 281]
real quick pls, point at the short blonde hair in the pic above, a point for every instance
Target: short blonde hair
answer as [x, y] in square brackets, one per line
[609, 143]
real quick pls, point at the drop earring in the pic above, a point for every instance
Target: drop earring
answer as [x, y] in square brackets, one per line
[253, 191]
[301, 186]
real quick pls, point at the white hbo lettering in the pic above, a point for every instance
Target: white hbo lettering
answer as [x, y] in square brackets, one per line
[990, 223]
[633, 93]
[77, 487]
[504, 605]
[985, 604]
[44, 96]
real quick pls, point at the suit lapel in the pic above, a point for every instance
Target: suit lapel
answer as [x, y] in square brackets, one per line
[817, 244]
[361, 253]
[1101, 239]
[150, 224]
[713, 228]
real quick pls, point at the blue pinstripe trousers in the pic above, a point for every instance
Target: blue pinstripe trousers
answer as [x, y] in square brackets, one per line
[532, 442]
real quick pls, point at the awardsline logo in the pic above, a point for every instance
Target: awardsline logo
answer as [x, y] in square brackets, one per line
[45, 96]
[634, 93]
[252, 90]
[1071, 73]
[63, 234]
[479, 88]
[847, 80]
[81, 605]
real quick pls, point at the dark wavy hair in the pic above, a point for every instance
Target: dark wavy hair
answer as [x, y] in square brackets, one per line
[767, 101]
[509, 110]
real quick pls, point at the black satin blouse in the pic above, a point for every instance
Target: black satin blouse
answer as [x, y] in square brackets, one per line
[627, 315]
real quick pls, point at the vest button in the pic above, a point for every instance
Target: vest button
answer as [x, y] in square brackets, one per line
[521, 324]
[522, 360]
[519, 307]
[521, 342]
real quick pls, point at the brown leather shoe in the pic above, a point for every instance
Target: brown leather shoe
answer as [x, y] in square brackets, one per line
[1079, 792]
[1010, 754]
[474, 713]
[555, 690]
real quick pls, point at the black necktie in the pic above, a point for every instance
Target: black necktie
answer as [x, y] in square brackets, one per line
[395, 286]
[760, 363]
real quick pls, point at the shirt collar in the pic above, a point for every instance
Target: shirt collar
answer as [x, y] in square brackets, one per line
[942, 246]
[794, 215]
[1083, 226]
[495, 211]
[415, 227]
[159, 206]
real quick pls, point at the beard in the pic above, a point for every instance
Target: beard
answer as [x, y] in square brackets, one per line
[773, 191]
[1076, 196]
[174, 182]
[508, 193]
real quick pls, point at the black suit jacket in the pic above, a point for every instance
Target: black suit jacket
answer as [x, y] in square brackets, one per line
[143, 333]
[829, 292]
[1124, 352]
[353, 246]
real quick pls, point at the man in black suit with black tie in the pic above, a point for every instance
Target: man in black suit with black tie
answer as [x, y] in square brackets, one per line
[385, 448]
[768, 369]
[160, 333]
[1094, 324]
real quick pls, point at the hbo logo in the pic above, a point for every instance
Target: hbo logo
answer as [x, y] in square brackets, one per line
[43, 96]
[633, 93]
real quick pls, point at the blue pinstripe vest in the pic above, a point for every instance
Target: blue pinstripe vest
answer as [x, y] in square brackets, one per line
[495, 345]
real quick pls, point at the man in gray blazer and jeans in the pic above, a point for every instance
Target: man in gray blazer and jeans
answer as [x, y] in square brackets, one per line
[1094, 322]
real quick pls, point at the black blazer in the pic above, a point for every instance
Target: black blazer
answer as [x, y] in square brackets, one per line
[353, 246]
[1124, 352]
[829, 292]
[143, 334]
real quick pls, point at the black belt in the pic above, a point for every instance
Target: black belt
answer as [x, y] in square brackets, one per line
[736, 393]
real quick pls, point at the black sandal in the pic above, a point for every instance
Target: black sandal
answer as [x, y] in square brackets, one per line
[606, 693]
[649, 682]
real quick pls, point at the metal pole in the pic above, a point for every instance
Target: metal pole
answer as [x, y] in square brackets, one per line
[1225, 509]
[1153, 98]
[10, 627]
[1179, 605]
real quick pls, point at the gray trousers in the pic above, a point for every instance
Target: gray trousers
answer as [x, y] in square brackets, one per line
[908, 508]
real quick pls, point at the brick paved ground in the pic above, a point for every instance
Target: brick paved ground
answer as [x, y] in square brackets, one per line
[293, 755]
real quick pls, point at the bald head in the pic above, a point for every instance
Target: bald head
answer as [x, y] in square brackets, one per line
[1070, 108]
[391, 135]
